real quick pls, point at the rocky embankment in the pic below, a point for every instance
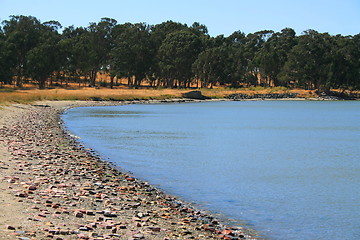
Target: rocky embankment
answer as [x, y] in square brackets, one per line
[243, 96]
[54, 188]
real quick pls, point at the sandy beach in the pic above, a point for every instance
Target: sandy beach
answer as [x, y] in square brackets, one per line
[53, 188]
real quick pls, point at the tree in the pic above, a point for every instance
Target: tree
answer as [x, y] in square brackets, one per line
[240, 59]
[273, 55]
[253, 43]
[158, 34]
[309, 62]
[133, 53]
[177, 53]
[42, 60]
[22, 34]
[345, 65]
[100, 41]
[211, 66]
[7, 61]
[74, 52]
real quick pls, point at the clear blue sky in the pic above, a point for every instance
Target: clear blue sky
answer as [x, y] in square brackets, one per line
[221, 16]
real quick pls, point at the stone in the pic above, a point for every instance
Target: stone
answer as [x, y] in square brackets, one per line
[227, 232]
[90, 212]
[79, 214]
[130, 179]
[138, 236]
[195, 95]
[10, 227]
[109, 214]
[83, 236]
[155, 229]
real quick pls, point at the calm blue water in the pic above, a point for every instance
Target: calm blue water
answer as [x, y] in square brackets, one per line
[290, 169]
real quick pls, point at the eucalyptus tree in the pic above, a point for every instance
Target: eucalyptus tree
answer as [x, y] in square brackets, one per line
[75, 50]
[309, 62]
[133, 53]
[7, 60]
[272, 56]
[345, 66]
[176, 55]
[254, 42]
[43, 59]
[158, 34]
[212, 66]
[99, 38]
[240, 59]
[22, 34]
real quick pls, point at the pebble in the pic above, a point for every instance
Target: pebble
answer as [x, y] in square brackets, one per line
[10, 227]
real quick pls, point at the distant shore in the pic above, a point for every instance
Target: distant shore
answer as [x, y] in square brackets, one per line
[53, 188]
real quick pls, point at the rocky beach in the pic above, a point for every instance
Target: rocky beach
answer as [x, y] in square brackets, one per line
[52, 187]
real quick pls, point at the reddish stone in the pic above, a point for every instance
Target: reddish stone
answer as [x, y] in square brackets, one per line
[123, 188]
[130, 179]
[32, 188]
[226, 232]
[83, 236]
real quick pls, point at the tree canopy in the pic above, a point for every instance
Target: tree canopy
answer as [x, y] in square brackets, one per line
[172, 54]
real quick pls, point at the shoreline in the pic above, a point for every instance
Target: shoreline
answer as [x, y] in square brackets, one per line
[52, 187]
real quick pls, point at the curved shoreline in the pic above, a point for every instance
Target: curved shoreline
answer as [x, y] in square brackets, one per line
[52, 187]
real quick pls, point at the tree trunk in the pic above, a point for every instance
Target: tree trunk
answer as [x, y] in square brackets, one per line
[93, 78]
[42, 81]
[112, 82]
[18, 80]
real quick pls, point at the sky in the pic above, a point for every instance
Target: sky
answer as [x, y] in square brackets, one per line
[220, 17]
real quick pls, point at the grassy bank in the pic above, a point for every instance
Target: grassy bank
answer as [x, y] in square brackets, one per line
[9, 95]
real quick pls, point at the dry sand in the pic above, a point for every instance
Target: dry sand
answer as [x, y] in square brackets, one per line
[53, 188]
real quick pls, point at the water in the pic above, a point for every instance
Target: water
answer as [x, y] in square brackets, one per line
[290, 169]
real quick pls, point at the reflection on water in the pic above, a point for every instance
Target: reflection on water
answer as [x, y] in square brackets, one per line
[290, 169]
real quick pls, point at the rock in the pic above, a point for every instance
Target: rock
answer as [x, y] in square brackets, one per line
[83, 236]
[32, 188]
[195, 95]
[55, 205]
[90, 212]
[243, 96]
[138, 236]
[227, 232]
[21, 194]
[79, 214]
[109, 214]
[130, 179]
[155, 229]
[10, 227]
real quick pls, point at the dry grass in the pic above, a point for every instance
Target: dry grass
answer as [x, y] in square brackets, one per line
[31, 95]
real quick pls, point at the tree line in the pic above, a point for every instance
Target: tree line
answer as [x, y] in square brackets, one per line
[172, 54]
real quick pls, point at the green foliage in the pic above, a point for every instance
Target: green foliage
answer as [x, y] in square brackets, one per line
[309, 63]
[133, 53]
[176, 55]
[172, 54]
[22, 34]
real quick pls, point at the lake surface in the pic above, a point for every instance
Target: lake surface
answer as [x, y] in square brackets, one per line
[289, 169]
